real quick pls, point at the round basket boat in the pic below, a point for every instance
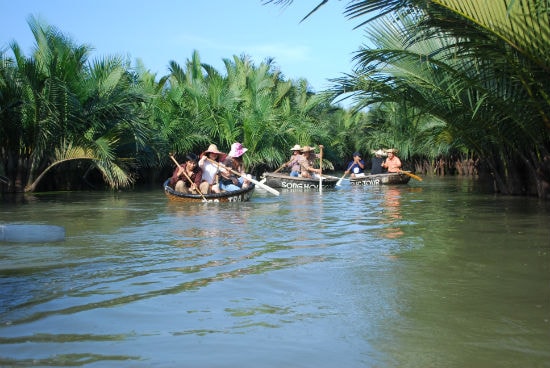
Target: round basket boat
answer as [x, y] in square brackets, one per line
[242, 195]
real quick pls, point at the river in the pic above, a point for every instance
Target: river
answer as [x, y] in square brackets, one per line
[429, 274]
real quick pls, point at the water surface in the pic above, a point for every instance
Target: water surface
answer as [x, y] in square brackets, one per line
[428, 274]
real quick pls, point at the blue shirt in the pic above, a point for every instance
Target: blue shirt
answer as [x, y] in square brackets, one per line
[355, 168]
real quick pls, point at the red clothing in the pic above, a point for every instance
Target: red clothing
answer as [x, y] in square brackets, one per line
[196, 177]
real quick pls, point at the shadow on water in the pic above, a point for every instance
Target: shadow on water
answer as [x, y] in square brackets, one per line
[427, 274]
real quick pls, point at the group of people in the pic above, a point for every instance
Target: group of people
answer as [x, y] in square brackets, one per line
[302, 161]
[391, 163]
[212, 172]
[215, 171]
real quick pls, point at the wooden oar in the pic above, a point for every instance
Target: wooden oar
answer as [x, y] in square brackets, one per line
[321, 168]
[188, 178]
[276, 171]
[339, 182]
[411, 175]
[282, 167]
[262, 185]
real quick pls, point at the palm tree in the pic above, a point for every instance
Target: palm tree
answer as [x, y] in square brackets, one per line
[69, 112]
[479, 67]
[492, 70]
[11, 100]
[250, 104]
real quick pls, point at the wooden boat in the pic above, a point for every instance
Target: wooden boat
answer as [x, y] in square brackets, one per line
[277, 180]
[381, 179]
[242, 195]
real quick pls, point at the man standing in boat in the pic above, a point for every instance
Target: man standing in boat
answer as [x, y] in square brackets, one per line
[392, 163]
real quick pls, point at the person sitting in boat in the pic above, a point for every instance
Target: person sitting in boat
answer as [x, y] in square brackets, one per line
[228, 178]
[306, 163]
[187, 178]
[210, 169]
[392, 163]
[294, 162]
[356, 166]
[376, 161]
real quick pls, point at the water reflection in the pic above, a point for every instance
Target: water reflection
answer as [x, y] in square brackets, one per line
[391, 214]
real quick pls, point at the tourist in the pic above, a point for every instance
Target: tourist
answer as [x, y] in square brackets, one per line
[210, 169]
[187, 177]
[228, 178]
[356, 166]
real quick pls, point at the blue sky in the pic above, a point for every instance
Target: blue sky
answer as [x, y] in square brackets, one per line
[164, 30]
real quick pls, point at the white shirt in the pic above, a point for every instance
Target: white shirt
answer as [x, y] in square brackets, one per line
[209, 171]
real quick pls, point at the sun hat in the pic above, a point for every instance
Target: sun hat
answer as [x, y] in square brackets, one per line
[379, 153]
[306, 149]
[237, 150]
[296, 148]
[212, 149]
[391, 150]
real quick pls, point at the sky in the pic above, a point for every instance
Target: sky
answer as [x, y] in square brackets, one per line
[157, 32]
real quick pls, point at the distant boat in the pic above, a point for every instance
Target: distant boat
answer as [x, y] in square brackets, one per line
[277, 180]
[241, 195]
[381, 179]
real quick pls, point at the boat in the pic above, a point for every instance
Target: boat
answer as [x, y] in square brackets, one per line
[286, 181]
[381, 179]
[241, 195]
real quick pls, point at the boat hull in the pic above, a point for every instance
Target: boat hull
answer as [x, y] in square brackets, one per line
[242, 195]
[381, 179]
[284, 181]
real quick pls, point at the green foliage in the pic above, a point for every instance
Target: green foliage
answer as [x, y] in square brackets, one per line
[459, 76]
[59, 107]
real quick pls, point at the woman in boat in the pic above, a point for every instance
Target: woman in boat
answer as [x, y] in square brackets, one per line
[210, 170]
[294, 162]
[187, 178]
[392, 163]
[228, 180]
[356, 166]
[306, 163]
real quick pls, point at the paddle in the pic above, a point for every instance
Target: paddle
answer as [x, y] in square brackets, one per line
[411, 175]
[321, 168]
[261, 185]
[339, 182]
[187, 176]
[282, 167]
[276, 171]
